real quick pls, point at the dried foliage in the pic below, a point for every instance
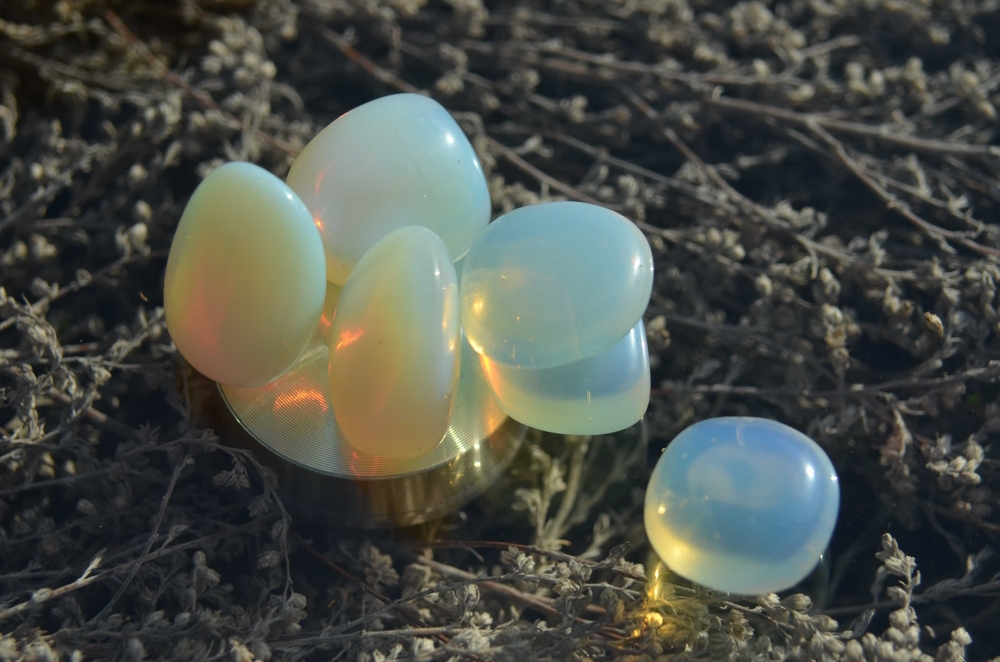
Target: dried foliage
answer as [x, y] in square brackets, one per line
[820, 183]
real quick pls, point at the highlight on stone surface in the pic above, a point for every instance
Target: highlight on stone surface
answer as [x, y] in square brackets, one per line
[554, 283]
[395, 346]
[244, 284]
[597, 395]
[744, 505]
[396, 161]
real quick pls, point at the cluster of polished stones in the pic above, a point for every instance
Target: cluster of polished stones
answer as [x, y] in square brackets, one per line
[386, 213]
[381, 207]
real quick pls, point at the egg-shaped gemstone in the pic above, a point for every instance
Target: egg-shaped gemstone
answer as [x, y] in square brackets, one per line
[396, 161]
[604, 393]
[329, 312]
[395, 346]
[744, 505]
[245, 281]
[554, 283]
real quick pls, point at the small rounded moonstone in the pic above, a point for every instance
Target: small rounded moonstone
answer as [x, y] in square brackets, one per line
[395, 346]
[554, 283]
[244, 286]
[396, 161]
[597, 395]
[744, 505]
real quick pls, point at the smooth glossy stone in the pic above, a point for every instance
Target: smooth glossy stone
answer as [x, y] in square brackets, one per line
[554, 283]
[245, 282]
[744, 505]
[396, 161]
[395, 346]
[597, 395]
[329, 312]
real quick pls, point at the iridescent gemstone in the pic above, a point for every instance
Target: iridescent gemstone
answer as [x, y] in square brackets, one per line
[744, 505]
[396, 161]
[598, 395]
[554, 283]
[395, 346]
[245, 282]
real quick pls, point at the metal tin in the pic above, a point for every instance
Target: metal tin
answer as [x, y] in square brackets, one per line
[290, 425]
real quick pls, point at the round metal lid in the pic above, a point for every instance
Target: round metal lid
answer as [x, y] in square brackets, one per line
[293, 419]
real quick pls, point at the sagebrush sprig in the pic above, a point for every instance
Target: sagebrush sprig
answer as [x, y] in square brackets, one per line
[822, 210]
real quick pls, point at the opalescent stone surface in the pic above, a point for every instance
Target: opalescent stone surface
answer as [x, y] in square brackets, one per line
[744, 505]
[597, 395]
[245, 282]
[396, 161]
[395, 346]
[554, 283]
[329, 312]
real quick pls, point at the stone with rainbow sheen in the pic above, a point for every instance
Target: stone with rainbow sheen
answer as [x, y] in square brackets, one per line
[244, 286]
[743, 505]
[395, 346]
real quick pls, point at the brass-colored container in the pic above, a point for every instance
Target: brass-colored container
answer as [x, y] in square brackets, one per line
[290, 426]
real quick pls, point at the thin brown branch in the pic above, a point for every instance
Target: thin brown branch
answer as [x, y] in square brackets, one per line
[411, 618]
[853, 128]
[88, 577]
[380, 74]
[185, 462]
[536, 602]
[940, 235]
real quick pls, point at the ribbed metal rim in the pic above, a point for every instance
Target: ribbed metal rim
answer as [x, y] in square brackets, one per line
[294, 418]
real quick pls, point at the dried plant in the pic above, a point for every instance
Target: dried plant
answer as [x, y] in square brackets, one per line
[818, 180]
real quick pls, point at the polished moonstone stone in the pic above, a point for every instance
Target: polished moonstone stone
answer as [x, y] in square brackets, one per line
[395, 346]
[744, 505]
[597, 395]
[329, 312]
[554, 283]
[396, 161]
[244, 286]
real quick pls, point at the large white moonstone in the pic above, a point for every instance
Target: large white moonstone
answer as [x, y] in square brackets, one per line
[395, 346]
[598, 395]
[554, 283]
[396, 161]
[740, 504]
[245, 282]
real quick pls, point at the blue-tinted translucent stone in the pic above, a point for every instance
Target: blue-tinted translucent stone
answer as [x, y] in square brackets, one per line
[554, 283]
[744, 505]
[597, 395]
[396, 161]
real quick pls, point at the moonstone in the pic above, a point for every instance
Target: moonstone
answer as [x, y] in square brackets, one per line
[245, 282]
[396, 161]
[329, 312]
[597, 395]
[554, 283]
[744, 505]
[395, 346]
